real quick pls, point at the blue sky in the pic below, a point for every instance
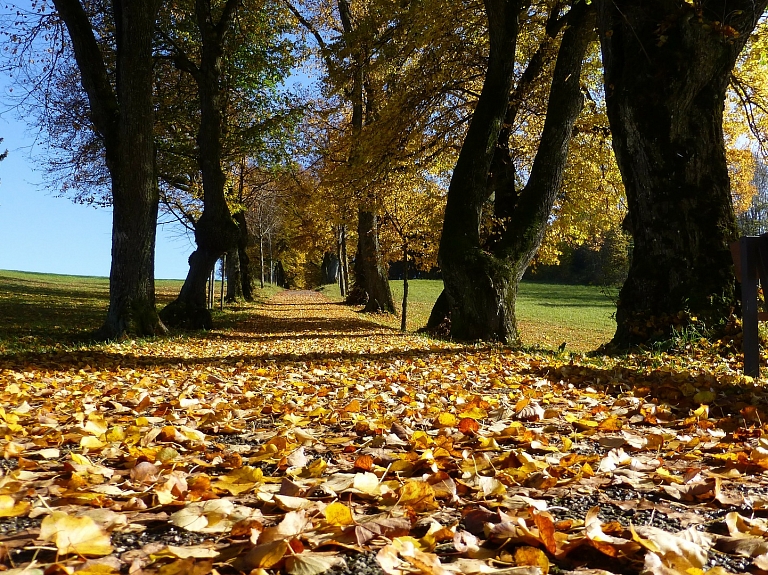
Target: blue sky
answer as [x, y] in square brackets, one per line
[43, 233]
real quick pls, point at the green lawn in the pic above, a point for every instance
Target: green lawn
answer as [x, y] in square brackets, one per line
[548, 314]
[46, 311]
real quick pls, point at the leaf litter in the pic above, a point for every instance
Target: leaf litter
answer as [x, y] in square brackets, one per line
[309, 440]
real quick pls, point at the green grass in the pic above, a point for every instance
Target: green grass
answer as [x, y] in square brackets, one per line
[42, 312]
[548, 314]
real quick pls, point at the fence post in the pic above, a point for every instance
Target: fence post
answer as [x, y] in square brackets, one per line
[749, 308]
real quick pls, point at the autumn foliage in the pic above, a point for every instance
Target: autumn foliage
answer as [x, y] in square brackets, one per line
[308, 437]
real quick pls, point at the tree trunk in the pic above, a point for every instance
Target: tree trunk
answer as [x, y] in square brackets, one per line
[370, 273]
[667, 68]
[261, 257]
[216, 233]
[481, 282]
[475, 291]
[242, 254]
[329, 269]
[124, 119]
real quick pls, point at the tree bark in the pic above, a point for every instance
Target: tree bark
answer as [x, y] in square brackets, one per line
[476, 292]
[481, 281]
[370, 273]
[216, 233]
[242, 253]
[667, 68]
[370, 270]
[124, 118]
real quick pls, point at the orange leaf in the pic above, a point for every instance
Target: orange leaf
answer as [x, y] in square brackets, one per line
[364, 463]
[468, 426]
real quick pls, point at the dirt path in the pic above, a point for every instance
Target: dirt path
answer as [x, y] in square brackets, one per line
[306, 323]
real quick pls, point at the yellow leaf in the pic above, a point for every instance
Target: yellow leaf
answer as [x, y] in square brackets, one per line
[474, 413]
[266, 555]
[702, 412]
[97, 569]
[704, 397]
[10, 508]
[418, 495]
[79, 535]
[445, 419]
[352, 407]
[91, 442]
[530, 556]
[316, 468]
[338, 514]
[240, 480]
[96, 425]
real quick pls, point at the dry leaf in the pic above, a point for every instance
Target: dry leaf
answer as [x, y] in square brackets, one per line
[78, 535]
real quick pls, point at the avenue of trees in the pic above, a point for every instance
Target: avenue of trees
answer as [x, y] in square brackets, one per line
[477, 138]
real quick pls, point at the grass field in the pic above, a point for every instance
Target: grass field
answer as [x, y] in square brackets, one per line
[548, 314]
[46, 311]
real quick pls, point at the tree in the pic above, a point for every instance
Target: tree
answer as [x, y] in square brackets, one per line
[481, 276]
[414, 213]
[122, 116]
[216, 233]
[667, 68]
[224, 47]
[370, 272]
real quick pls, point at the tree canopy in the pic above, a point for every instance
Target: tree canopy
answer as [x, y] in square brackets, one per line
[370, 153]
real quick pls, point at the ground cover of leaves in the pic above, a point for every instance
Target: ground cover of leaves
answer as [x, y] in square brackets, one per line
[310, 440]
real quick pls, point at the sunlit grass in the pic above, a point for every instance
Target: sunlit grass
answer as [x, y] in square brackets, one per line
[548, 314]
[43, 312]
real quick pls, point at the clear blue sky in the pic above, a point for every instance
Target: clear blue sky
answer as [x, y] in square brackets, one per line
[43, 233]
[40, 232]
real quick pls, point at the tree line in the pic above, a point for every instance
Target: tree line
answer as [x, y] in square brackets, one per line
[476, 136]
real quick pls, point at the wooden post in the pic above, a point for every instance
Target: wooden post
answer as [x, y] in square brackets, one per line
[749, 306]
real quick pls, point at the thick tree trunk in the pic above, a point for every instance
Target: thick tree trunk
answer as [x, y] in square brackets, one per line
[667, 68]
[329, 269]
[135, 197]
[370, 273]
[476, 292]
[124, 120]
[216, 233]
[481, 282]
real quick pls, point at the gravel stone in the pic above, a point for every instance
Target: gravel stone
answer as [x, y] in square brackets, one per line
[12, 525]
[363, 564]
[162, 534]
